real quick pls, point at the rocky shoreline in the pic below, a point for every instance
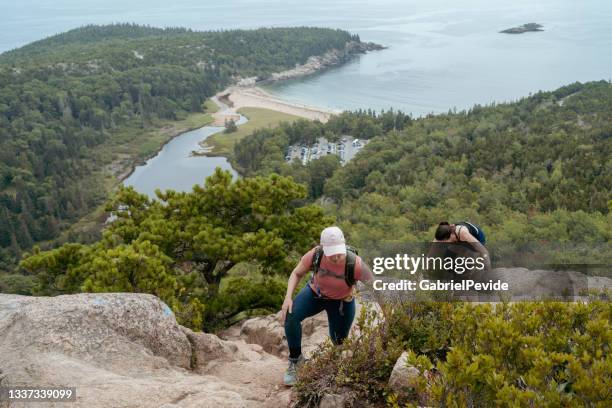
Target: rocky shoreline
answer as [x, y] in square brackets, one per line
[315, 63]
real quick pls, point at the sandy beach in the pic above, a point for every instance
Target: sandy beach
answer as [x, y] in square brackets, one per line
[245, 93]
[236, 97]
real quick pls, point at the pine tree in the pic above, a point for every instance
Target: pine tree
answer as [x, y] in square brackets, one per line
[24, 238]
[212, 228]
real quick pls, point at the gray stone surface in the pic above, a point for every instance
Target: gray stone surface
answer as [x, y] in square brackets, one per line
[127, 350]
[105, 328]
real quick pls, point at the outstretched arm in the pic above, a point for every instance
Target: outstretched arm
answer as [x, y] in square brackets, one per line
[464, 235]
[294, 279]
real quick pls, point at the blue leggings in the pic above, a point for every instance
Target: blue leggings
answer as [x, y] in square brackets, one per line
[340, 315]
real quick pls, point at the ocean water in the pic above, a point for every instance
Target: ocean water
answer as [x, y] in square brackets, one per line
[442, 54]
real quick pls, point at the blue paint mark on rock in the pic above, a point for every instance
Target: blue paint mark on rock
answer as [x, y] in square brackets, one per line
[99, 302]
[167, 311]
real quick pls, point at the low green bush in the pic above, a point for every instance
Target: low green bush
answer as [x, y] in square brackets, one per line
[16, 283]
[537, 354]
[358, 368]
[530, 354]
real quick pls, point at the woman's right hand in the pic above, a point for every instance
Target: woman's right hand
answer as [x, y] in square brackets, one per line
[287, 307]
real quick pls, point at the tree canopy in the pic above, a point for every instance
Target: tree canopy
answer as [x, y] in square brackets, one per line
[537, 170]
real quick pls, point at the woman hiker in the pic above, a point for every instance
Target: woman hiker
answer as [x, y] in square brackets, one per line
[464, 232]
[335, 270]
[460, 232]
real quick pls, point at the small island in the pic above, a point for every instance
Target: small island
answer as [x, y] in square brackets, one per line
[523, 28]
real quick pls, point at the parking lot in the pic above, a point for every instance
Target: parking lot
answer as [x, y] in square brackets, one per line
[346, 149]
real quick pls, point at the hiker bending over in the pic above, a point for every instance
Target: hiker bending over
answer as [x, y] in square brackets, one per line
[464, 232]
[335, 269]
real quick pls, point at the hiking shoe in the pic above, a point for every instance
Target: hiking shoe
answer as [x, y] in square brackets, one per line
[290, 377]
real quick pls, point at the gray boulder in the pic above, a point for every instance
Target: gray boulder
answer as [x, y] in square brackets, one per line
[403, 376]
[127, 350]
[122, 332]
[333, 401]
[539, 284]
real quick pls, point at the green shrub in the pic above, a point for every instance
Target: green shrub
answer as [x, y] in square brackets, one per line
[424, 327]
[17, 284]
[359, 368]
[530, 354]
[244, 296]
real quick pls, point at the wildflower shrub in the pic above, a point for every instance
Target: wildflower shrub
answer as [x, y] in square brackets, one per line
[531, 354]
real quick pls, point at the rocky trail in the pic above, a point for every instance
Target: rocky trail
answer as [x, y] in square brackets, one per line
[127, 350]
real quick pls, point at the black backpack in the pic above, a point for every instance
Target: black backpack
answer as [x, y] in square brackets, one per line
[474, 229]
[349, 267]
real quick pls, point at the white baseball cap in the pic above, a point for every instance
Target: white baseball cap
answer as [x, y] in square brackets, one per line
[332, 241]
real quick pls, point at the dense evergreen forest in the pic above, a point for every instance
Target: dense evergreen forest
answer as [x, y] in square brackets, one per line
[64, 97]
[538, 170]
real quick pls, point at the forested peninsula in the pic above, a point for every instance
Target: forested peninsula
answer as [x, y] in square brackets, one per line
[75, 107]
